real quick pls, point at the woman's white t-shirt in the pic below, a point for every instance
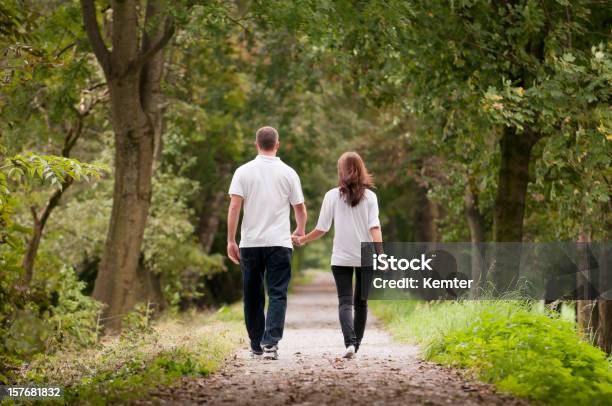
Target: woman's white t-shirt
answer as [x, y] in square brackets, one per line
[351, 225]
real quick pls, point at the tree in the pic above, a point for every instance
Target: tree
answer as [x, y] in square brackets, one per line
[133, 71]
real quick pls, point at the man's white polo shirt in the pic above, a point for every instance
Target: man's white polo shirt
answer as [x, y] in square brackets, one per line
[269, 187]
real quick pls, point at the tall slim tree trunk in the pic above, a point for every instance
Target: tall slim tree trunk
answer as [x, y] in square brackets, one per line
[509, 209]
[604, 306]
[587, 314]
[210, 213]
[476, 223]
[209, 220]
[127, 74]
[475, 219]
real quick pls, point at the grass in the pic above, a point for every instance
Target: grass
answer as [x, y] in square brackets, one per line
[518, 346]
[129, 367]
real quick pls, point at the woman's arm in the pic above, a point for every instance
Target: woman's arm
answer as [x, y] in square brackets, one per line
[376, 234]
[311, 236]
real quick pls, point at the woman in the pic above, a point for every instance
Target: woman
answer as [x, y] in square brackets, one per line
[353, 208]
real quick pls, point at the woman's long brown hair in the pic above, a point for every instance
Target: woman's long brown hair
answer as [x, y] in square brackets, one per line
[353, 178]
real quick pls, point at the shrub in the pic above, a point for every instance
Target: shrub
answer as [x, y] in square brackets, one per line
[530, 355]
[516, 345]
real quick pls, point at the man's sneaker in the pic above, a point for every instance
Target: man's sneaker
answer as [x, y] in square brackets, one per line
[270, 352]
[350, 352]
[256, 355]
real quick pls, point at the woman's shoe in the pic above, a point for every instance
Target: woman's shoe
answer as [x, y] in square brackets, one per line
[350, 352]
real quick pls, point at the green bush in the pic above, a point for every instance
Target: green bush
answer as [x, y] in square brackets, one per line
[516, 345]
[529, 355]
[52, 314]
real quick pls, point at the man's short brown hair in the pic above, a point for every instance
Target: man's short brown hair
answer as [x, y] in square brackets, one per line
[266, 138]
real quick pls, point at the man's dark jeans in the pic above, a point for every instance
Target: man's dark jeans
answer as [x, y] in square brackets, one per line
[274, 265]
[353, 327]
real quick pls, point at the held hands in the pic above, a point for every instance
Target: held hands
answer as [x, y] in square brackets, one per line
[297, 238]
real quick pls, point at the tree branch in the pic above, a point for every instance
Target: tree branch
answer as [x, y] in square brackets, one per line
[34, 213]
[64, 49]
[93, 33]
[40, 220]
[238, 23]
[149, 53]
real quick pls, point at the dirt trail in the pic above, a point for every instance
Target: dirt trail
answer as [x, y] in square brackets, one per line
[310, 371]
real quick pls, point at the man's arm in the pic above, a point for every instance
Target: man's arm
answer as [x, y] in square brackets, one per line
[233, 215]
[300, 218]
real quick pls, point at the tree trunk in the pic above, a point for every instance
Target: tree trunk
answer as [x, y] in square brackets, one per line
[587, 317]
[209, 220]
[134, 138]
[509, 209]
[476, 223]
[154, 105]
[604, 336]
[512, 184]
[587, 314]
[210, 212]
[153, 73]
[130, 70]
[604, 305]
[149, 288]
[475, 219]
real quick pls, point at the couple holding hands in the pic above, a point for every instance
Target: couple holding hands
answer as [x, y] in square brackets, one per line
[267, 188]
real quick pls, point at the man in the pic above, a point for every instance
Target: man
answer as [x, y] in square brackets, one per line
[267, 186]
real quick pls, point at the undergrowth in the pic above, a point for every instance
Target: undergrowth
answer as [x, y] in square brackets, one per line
[131, 366]
[518, 346]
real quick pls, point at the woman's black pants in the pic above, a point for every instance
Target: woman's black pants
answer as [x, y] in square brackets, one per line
[352, 326]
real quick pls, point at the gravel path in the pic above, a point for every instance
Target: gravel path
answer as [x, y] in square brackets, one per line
[310, 371]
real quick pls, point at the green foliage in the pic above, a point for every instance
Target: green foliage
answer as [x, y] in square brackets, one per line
[46, 168]
[516, 345]
[53, 314]
[422, 89]
[131, 366]
[170, 248]
[51, 311]
[529, 355]
[73, 313]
